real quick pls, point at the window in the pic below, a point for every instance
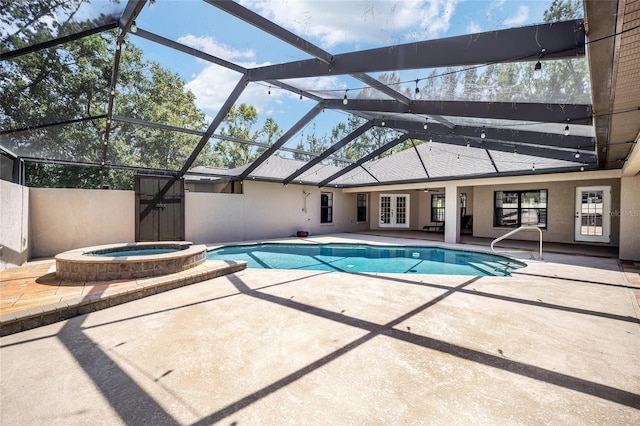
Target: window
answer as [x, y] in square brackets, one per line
[437, 207]
[519, 208]
[362, 208]
[326, 207]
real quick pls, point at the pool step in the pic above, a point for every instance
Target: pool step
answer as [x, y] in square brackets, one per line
[518, 251]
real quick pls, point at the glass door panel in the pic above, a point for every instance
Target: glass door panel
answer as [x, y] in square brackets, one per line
[394, 211]
[593, 214]
[385, 210]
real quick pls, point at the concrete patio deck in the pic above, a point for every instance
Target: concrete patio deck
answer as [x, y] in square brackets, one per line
[556, 343]
[32, 296]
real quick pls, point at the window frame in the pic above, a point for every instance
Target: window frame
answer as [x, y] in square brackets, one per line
[326, 211]
[362, 211]
[437, 212]
[517, 196]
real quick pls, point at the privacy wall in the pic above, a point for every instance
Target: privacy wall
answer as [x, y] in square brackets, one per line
[64, 219]
[14, 224]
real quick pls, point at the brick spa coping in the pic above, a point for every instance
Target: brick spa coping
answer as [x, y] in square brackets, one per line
[79, 265]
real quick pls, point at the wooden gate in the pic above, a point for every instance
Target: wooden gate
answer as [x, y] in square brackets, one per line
[159, 208]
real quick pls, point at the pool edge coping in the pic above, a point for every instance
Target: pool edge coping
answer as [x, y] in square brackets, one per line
[37, 316]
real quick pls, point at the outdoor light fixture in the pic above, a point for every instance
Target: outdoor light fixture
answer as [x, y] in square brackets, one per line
[533, 167]
[483, 133]
[418, 96]
[566, 128]
[425, 125]
[515, 151]
[134, 27]
[577, 154]
[269, 91]
[345, 100]
[383, 123]
[458, 159]
[537, 70]
[582, 167]
[468, 144]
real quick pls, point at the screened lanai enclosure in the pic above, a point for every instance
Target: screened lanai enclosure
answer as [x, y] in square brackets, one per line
[345, 94]
[95, 91]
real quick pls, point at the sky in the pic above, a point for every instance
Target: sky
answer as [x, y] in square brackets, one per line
[336, 26]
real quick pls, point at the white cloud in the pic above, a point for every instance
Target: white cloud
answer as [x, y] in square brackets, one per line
[497, 4]
[493, 6]
[521, 16]
[473, 28]
[317, 84]
[213, 84]
[211, 46]
[333, 22]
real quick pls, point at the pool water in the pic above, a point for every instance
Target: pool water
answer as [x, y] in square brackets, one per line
[367, 258]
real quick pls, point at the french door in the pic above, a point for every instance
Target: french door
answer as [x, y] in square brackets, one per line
[593, 214]
[394, 211]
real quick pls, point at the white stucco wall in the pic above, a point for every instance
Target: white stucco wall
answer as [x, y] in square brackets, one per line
[64, 219]
[265, 210]
[213, 217]
[629, 216]
[14, 224]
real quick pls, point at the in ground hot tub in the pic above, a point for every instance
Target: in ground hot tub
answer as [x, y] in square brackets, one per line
[128, 261]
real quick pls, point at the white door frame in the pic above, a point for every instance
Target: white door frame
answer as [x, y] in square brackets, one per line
[395, 218]
[593, 219]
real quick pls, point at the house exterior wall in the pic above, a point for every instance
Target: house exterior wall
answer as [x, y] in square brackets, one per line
[14, 224]
[560, 209]
[266, 210]
[469, 190]
[64, 219]
[629, 216]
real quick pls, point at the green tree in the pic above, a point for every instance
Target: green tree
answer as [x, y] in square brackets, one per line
[70, 82]
[240, 123]
[563, 81]
[311, 143]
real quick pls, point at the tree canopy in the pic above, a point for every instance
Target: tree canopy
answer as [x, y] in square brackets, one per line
[70, 83]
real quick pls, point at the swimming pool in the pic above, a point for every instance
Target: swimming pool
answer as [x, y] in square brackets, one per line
[367, 258]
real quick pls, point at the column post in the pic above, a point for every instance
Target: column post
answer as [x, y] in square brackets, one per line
[452, 214]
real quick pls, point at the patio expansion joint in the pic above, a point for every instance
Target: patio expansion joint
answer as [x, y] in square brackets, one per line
[36, 316]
